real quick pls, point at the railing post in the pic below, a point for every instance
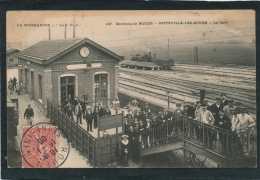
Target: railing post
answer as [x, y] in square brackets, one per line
[48, 109]
[167, 129]
[183, 127]
[203, 134]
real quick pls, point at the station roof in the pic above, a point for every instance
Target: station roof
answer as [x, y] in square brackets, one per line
[11, 51]
[47, 51]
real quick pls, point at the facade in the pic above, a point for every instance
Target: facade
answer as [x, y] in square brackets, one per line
[54, 69]
[11, 57]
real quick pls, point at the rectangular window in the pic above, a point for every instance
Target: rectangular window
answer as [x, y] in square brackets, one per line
[71, 79]
[100, 86]
[67, 88]
[63, 80]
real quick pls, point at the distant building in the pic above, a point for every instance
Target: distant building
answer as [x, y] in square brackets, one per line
[54, 69]
[11, 57]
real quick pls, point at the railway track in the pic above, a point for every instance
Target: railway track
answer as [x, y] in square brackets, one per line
[223, 72]
[242, 90]
[185, 88]
[180, 88]
[159, 92]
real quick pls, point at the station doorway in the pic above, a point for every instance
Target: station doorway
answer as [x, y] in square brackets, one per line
[100, 83]
[67, 84]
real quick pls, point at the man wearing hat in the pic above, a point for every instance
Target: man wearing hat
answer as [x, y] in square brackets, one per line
[89, 118]
[160, 118]
[83, 105]
[224, 100]
[206, 117]
[224, 123]
[229, 108]
[178, 112]
[167, 114]
[191, 110]
[235, 121]
[147, 108]
[186, 108]
[236, 142]
[197, 109]
[78, 112]
[214, 109]
[245, 120]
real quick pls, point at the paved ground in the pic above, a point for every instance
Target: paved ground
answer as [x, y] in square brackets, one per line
[75, 160]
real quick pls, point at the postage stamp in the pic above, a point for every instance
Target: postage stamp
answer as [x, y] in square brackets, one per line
[40, 146]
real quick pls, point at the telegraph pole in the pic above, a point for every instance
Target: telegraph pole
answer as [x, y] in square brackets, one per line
[65, 33]
[74, 33]
[49, 33]
[168, 50]
[196, 58]
[168, 98]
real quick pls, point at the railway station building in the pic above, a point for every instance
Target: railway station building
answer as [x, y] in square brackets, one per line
[54, 69]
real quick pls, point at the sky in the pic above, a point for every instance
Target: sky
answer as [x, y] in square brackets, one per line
[150, 33]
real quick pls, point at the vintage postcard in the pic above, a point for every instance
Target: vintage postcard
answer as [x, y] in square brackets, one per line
[131, 89]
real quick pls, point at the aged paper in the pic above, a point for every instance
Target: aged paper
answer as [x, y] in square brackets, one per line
[134, 89]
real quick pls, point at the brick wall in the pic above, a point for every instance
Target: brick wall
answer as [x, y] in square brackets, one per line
[37, 70]
[52, 72]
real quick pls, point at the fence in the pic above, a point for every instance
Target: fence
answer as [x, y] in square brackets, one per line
[99, 151]
[221, 141]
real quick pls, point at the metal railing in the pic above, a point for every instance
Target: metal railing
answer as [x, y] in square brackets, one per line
[80, 138]
[227, 143]
[170, 130]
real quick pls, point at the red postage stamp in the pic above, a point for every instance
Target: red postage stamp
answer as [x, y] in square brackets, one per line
[40, 148]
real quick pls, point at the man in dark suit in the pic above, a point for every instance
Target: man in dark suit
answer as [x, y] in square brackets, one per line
[83, 105]
[214, 109]
[178, 112]
[224, 100]
[89, 118]
[224, 123]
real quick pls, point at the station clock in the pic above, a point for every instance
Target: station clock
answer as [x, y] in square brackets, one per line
[84, 52]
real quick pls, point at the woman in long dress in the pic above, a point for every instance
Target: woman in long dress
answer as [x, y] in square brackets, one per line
[10, 85]
[124, 150]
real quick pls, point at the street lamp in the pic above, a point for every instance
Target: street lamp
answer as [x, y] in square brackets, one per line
[88, 67]
[116, 105]
[168, 98]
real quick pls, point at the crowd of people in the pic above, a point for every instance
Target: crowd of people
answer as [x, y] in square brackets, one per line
[13, 86]
[228, 116]
[83, 110]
